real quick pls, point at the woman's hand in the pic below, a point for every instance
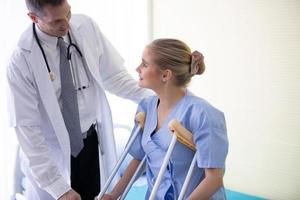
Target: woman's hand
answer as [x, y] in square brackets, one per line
[107, 197]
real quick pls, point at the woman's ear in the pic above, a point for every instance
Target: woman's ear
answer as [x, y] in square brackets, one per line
[167, 75]
[33, 17]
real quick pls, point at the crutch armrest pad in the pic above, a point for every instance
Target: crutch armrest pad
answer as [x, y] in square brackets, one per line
[140, 119]
[183, 135]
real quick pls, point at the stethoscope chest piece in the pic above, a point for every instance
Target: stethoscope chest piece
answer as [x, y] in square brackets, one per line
[52, 76]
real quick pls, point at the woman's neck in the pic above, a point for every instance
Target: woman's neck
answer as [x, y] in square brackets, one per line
[169, 98]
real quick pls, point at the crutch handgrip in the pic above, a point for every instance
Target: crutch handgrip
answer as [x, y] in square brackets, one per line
[140, 119]
[183, 135]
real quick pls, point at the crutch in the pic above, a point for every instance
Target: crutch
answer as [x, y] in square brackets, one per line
[134, 177]
[185, 137]
[140, 119]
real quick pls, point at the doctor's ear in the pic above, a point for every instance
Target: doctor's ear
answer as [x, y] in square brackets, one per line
[33, 17]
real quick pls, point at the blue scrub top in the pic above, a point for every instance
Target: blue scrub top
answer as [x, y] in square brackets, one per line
[206, 123]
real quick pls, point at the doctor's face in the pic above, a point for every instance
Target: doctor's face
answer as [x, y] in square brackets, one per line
[54, 20]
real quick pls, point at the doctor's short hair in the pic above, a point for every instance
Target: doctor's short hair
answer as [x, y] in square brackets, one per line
[36, 6]
[176, 56]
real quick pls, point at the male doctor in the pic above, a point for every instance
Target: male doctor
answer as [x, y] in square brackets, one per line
[38, 91]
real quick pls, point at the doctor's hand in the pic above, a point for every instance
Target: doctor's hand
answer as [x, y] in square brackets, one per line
[70, 195]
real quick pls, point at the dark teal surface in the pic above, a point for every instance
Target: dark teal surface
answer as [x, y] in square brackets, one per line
[233, 195]
[138, 193]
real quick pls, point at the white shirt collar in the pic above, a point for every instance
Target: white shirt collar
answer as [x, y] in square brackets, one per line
[46, 39]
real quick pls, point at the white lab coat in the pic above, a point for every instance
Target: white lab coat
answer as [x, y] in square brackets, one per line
[46, 153]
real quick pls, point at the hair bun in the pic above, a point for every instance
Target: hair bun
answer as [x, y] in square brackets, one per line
[197, 63]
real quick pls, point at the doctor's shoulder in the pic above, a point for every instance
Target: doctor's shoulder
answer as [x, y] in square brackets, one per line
[20, 55]
[19, 64]
[18, 59]
[82, 20]
[87, 27]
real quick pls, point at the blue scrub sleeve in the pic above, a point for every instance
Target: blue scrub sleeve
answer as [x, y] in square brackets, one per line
[210, 138]
[136, 150]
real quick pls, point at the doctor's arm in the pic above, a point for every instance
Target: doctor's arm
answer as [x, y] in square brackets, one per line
[114, 75]
[123, 85]
[26, 118]
[43, 169]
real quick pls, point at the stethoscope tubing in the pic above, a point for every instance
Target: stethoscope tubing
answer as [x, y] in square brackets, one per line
[43, 52]
[41, 48]
[74, 71]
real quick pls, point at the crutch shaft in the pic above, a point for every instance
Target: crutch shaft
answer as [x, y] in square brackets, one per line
[186, 138]
[117, 166]
[163, 167]
[137, 173]
[187, 178]
[140, 118]
[183, 136]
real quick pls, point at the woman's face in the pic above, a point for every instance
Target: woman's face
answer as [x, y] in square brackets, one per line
[149, 73]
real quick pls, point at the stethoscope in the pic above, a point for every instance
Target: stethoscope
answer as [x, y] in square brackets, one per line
[71, 44]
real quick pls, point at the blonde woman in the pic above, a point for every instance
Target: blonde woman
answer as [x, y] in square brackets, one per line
[167, 67]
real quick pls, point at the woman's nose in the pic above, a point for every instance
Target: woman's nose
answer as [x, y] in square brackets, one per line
[138, 68]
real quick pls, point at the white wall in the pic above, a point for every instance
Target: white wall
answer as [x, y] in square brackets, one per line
[251, 50]
[13, 21]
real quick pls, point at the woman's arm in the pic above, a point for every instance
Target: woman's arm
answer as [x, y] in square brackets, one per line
[123, 182]
[209, 185]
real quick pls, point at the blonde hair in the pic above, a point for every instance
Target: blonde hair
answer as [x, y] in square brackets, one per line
[176, 56]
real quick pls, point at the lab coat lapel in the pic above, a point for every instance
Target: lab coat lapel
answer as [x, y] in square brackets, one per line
[49, 98]
[90, 55]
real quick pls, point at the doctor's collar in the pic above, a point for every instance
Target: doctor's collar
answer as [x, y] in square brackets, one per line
[48, 40]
